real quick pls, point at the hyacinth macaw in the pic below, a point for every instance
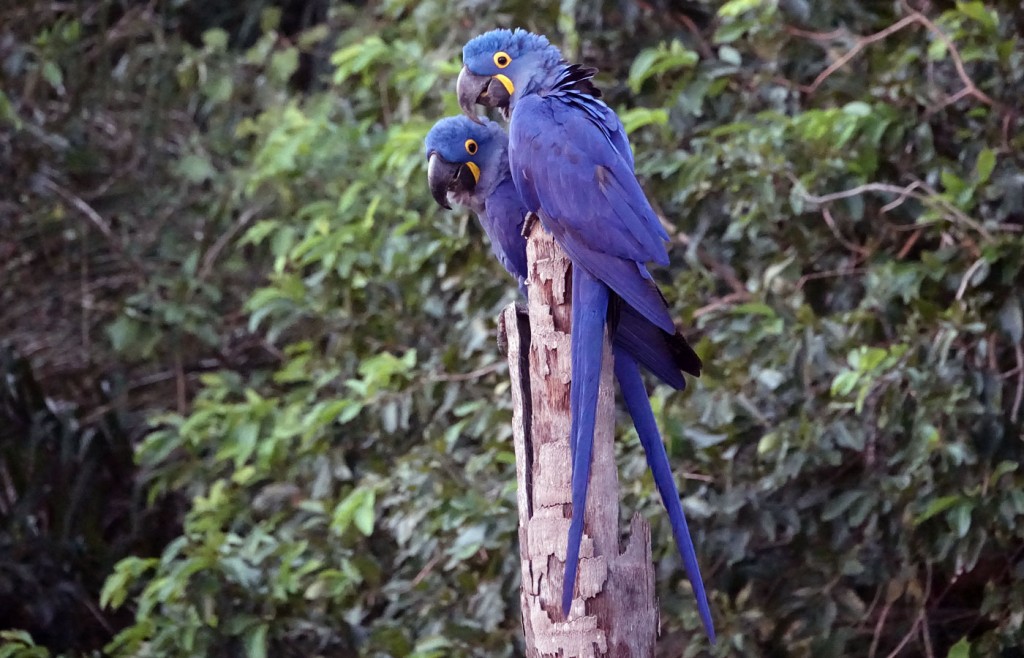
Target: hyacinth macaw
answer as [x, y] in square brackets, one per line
[467, 164]
[572, 165]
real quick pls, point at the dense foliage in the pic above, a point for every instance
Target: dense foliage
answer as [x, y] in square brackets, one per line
[221, 260]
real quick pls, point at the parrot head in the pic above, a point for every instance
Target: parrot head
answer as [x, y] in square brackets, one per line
[462, 156]
[501, 65]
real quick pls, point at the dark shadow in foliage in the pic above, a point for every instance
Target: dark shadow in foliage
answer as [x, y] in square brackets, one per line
[70, 510]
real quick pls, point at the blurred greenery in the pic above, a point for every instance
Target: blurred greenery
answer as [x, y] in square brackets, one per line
[252, 403]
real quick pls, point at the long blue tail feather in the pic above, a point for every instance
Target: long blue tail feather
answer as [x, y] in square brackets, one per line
[589, 312]
[639, 407]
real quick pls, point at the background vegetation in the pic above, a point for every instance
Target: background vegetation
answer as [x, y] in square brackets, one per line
[251, 402]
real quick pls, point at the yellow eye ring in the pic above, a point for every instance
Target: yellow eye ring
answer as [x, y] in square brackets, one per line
[501, 59]
[471, 146]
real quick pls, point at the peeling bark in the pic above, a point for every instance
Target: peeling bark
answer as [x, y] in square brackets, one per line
[614, 612]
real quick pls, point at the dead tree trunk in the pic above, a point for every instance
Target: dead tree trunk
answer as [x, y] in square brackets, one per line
[614, 613]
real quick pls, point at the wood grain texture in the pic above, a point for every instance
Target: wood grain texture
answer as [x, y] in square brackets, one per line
[614, 612]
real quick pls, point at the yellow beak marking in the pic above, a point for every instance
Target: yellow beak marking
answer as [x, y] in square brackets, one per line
[506, 83]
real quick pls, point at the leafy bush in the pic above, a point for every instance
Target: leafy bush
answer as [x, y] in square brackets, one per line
[844, 188]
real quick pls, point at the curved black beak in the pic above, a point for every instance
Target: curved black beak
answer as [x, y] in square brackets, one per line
[483, 89]
[444, 177]
[469, 88]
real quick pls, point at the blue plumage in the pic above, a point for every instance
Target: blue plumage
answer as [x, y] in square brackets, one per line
[589, 310]
[635, 340]
[571, 162]
[493, 196]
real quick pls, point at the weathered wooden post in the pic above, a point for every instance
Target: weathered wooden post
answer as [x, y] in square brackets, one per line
[614, 612]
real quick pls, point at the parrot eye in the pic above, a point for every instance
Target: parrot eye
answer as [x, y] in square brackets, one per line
[471, 146]
[501, 59]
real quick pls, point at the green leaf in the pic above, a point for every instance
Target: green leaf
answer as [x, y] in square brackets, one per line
[283, 64]
[357, 507]
[640, 69]
[979, 12]
[961, 649]
[364, 515]
[195, 168]
[246, 437]
[936, 506]
[952, 183]
[432, 647]
[259, 231]
[734, 8]
[1011, 320]
[19, 636]
[858, 109]
[840, 504]
[53, 75]
[730, 55]
[270, 19]
[638, 117]
[844, 383]
[468, 542]
[754, 308]
[937, 50]
[123, 333]
[960, 518]
[730, 31]
[215, 39]
[768, 443]
[256, 642]
[985, 164]
[657, 61]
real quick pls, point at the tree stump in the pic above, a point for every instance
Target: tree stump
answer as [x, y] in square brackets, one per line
[614, 612]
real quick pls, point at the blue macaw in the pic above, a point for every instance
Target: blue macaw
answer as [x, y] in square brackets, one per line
[468, 164]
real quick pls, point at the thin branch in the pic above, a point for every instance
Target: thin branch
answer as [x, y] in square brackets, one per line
[967, 278]
[958, 62]
[179, 378]
[926, 635]
[467, 376]
[914, 237]
[892, 205]
[861, 252]
[723, 271]
[1020, 383]
[728, 300]
[930, 196]
[427, 568]
[920, 615]
[877, 635]
[93, 217]
[827, 275]
[816, 36]
[871, 608]
[213, 253]
[1011, 373]
[862, 42]
[702, 43]
[949, 100]
[861, 189]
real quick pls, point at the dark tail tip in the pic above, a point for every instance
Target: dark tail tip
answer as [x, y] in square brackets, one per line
[683, 355]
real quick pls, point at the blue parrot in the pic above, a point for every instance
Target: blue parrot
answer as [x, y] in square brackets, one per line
[468, 164]
[572, 165]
